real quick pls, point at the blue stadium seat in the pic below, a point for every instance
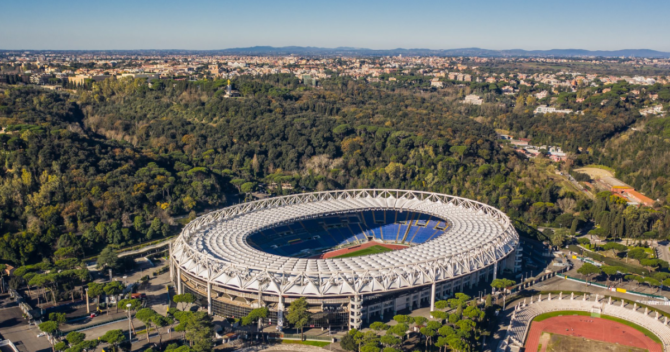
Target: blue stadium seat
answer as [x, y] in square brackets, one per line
[336, 230]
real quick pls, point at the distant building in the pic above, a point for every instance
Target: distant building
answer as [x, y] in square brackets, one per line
[520, 141]
[308, 80]
[541, 95]
[79, 80]
[654, 110]
[473, 100]
[543, 109]
[39, 78]
[508, 90]
[435, 82]
[639, 198]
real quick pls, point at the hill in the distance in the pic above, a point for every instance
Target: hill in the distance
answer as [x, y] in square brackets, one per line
[302, 50]
[349, 51]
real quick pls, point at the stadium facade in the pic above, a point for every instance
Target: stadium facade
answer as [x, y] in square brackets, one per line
[266, 253]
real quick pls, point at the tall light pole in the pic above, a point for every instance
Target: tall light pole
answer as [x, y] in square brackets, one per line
[130, 330]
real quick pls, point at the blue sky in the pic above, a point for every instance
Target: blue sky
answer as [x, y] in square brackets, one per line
[446, 24]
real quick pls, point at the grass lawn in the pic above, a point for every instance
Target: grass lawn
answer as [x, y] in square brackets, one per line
[309, 343]
[630, 267]
[603, 316]
[603, 167]
[365, 251]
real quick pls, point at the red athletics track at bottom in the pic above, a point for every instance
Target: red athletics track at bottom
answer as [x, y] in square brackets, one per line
[590, 328]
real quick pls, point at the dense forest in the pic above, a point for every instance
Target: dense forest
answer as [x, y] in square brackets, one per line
[122, 162]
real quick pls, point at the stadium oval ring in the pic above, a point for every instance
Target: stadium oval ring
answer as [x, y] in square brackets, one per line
[213, 248]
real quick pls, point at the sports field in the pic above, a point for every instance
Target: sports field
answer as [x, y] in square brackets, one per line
[563, 343]
[366, 251]
[357, 251]
[583, 333]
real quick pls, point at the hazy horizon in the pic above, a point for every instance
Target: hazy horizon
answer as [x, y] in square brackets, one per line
[213, 25]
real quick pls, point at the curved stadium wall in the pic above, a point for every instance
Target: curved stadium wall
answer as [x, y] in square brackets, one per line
[268, 253]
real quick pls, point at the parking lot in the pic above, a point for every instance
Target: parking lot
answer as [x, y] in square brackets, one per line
[15, 328]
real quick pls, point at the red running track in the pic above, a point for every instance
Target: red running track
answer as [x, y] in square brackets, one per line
[339, 252]
[590, 328]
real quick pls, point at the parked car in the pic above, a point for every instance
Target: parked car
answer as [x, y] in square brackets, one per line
[138, 296]
[93, 315]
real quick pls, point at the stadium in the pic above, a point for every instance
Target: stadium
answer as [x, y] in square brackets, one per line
[356, 255]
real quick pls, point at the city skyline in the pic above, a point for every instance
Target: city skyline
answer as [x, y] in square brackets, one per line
[209, 25]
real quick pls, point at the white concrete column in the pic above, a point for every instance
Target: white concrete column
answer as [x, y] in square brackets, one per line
[88, 306]
[209, 298]
[495, 270]
[179, 284]
[432, 297]
[280, 312]
[171, 261]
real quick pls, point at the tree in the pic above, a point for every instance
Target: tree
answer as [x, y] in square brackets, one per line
[184, 298]
[50, 327]
[458, 300]
[378, 326]
[95, 289]
[75, 337]
[473, 313]
[441, 304]
[146, 316]
[114, 338]
[347, 343]
[160, 322]
[357, 336]
[248, 187]
[390, 340]
[255, 315]
[614, 247]
[370, 348]
[59, 318]
[442, 342]
[140, 224]
[428, 333]
[611, 271]
[584, 241]
[197, 328]
[60, 346]
[370, 338]
[134, 306]
[113, 288]
[560, 236]
[459, 150]
[502, 283]
[298, 315]
[439, 315]
[399, 330]
[108, 258]
[403, 319]
[589, 270]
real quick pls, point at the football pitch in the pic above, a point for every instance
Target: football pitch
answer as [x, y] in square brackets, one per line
[562, 343]
[365, 251]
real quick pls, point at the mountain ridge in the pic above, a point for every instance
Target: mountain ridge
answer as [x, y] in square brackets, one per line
[352, 51]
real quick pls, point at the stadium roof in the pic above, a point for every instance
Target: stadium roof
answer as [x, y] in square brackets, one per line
[214, 247]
